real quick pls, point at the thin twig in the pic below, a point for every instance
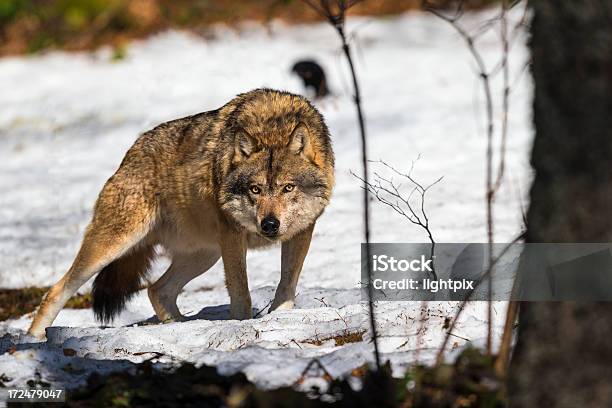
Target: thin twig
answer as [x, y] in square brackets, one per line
[506, 95]
[260, 311]
[326, 375]
[335, 13]
[458, 336]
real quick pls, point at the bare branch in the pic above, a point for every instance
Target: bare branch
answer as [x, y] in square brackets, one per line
[388, 192]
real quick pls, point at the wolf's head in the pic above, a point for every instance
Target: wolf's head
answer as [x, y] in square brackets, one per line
[281, 173]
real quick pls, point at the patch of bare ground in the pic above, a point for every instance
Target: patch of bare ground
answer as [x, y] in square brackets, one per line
[17, 302]
[341, 339]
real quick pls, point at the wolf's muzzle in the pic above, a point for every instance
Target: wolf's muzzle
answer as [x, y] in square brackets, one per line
[269, 226]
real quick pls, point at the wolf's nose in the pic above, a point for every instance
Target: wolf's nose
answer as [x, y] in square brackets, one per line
[269, 225]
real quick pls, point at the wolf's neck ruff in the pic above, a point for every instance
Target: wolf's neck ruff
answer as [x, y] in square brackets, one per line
[256, 171]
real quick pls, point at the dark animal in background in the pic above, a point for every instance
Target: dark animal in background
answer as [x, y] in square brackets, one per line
[313, 76]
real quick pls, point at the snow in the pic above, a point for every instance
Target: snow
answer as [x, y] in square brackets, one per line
[67, 119]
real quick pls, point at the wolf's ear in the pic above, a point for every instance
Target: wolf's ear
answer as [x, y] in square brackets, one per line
[300, 142]
[245, 145]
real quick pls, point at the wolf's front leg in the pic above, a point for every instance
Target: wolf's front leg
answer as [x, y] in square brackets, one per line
[293, 254]
[233, 251]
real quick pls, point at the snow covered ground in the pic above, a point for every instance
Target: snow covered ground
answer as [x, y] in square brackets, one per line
[67, 119]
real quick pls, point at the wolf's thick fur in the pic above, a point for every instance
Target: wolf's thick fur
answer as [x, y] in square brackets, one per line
[258, 170]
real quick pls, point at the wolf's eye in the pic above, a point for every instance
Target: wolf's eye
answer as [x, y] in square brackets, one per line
[288, 188]
[255, 189]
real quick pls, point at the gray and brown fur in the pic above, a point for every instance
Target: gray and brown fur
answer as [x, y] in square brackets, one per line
[200, 187]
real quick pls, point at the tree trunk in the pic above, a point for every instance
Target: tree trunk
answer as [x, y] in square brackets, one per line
[563, 357]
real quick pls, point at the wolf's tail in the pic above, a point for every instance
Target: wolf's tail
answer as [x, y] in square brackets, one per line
[118, 282]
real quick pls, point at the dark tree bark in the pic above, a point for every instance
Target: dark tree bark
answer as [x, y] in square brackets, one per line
[563, 357]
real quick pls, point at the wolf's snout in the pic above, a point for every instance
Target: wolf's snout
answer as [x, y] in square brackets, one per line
[269, 225]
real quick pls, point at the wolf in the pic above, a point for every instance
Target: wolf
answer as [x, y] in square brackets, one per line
[255, 172]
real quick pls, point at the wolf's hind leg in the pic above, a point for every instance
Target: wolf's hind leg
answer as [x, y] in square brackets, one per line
[91, 259]
[121, 220]
[292, 258]
[183, 269]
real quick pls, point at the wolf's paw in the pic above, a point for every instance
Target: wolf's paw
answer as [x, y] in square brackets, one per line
[171, 319]
[241, 312]
[166, 310]
[36, 333]
[282, 305]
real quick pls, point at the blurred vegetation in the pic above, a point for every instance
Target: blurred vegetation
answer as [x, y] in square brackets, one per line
[29, 26]
[17, 302]
[468, 382]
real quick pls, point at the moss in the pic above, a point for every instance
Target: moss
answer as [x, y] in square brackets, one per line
[17, 302]
[119, 53]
